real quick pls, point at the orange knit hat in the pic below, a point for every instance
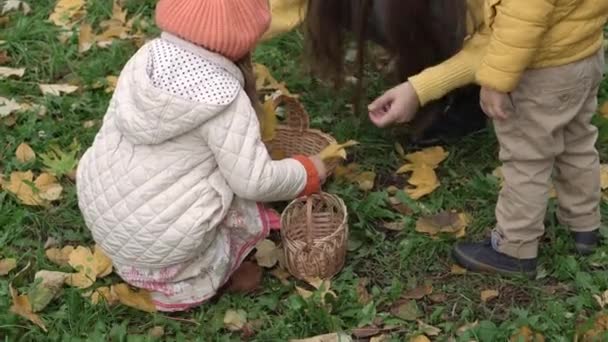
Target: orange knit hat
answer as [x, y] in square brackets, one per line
[228, 27]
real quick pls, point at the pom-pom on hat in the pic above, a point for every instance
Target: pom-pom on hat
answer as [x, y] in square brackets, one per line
[228, 27]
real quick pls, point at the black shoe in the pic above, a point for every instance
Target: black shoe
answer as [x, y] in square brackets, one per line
[586, 242]
[481, 257]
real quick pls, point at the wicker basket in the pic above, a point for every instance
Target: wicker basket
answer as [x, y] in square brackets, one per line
[315, 236]
[295, 137]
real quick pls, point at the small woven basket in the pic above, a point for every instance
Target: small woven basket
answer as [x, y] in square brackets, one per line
[295, 137]
[315, 236]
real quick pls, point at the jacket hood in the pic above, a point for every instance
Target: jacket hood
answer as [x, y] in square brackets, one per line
[148, 115]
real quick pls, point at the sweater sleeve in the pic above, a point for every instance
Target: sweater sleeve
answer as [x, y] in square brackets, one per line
[435, 82]
[286, 15]
[243, 160]
[517, 31]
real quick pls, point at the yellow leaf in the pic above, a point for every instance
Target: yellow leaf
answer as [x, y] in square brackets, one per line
[25, 154]
[22, 307]
[58, 256]
[424, 179]
[86, 38]
[525, 334]
[57, 89]
[457, 270]
[277, 154]
[267, 253]
[48, 188]
[21, 185]
[156, 331]
[103, 264]
[432, 156]
[379, 338]
[604, 109]
[334, 151]
[105, 294]
[265, 81]
[118, 13]
[333, 337]
[268, 123]
[235, 320]
[67, 12]
[112, 81]
[420, 338]
[8, 72]
[7, 265]
[604, 176]
[488, 295]
[366, 180]
[140, 300]
[82, 260]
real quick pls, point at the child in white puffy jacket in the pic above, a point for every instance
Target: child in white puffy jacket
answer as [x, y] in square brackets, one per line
[172, 186]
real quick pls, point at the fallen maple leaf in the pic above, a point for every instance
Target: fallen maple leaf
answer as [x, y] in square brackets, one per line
[336, 151]
[525, 334]
[34, 192]
[90, 266]
[67, 12]
[140, 299]
[418, 292]
[105, 294]
[425, 181]
[48, 285]
[24, 153]
[365, 180]
[48, 188]
[21, 306]
[333, 337]
[431, 157]
[266, 253]
[58, 162]
[394, 226]
[58, 256]
[488, 295]
[16, 5]
[457, 270]
[57, 89]
[8, 72]
[7, 265]
[7, 107]
[235, 320]
[448, 222]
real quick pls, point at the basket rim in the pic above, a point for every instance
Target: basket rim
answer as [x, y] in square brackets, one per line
[309, 130]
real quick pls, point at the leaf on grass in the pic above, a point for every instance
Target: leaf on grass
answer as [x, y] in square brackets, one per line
[267, 253]
[596, 332]
[400, 151]
[604, 176]
[90, 266]
[336, 151]
[457, 270]
[418, 292]
[8, 106]
[525, 334]
[156, 332]
[380, 338]
[112, 81]
[601, 300]
[104, 294]
[57, 89]
[8, 72]
[67, 12]
[58, 162]
[604, 109]
[34, 192]
[48, 188]
[48, 285]
[21, 306]
[396, 226]
[333, 337]
[424, 179]
[420, 338]
[7, 265]
[58, 256]
[235, 320]
[140, 299]
[432, 156]
[366, 332]
[406, 310]
[16, 5]
[447, 222]
[365, 180]
[86, 38]
[323, 287]
[488, 295]
[24, 153]
[428, 329]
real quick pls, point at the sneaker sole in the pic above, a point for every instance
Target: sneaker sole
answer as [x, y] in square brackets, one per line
[477, 266]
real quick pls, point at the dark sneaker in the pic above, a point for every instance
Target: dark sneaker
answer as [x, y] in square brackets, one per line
[586, 242]
[481, 257]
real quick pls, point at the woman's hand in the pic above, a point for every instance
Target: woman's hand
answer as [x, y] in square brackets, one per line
[398, 105]
[321, 168]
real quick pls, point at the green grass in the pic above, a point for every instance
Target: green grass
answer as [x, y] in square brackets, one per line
[392, 261]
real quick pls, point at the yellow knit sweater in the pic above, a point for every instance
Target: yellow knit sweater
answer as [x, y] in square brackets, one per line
[506, 37]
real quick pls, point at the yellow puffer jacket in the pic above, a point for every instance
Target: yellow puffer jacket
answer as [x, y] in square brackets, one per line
[506, 37]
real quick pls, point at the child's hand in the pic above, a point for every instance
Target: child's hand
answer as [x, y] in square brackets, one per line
[320, 166]
[398, 105]
[495, 104]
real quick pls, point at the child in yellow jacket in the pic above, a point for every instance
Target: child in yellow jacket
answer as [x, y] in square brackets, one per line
[540, 64]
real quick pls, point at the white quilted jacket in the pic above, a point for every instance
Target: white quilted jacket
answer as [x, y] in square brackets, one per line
[164, 169]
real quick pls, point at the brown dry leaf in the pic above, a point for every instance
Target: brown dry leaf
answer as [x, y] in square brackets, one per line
[438, 297]
[425, 181]
[604, 109]
[48, 188]
[4, 57]
[103, 264]
[597, 331]
[267, 253]
[457, 270]
[90, 266]
[418, 292]
[105, 294]
[118, 13]
[86, 38]
[9, 121]
[16, 5]
[488, 295]
[22, 307]
[235, 320]
[7, 265]
[58, 256]
[448, 222]
[112, 82]
[428, 329]
[363, 295]
[21, 185]
[420, 338]
[268, 123]
[8, 72]
[8, 106]
[333, 337]
[24, 153]
[140, 300]
[366, 332]
[336, 151]
[525, 334]
[67, 12]
[48, 286]
[57, 89]
[604, 176]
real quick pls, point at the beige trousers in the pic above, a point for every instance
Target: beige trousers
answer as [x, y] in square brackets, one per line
[549, 136]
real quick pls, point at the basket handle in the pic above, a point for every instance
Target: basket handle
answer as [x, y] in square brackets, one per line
[309, 227]
[295, 113]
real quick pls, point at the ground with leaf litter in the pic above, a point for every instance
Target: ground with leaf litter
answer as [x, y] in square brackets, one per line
[59, 62]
